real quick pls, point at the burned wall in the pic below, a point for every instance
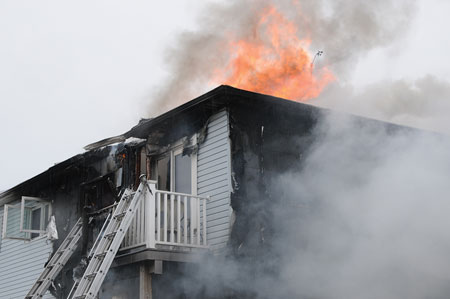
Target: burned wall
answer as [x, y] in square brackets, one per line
[266, 140]
[77, 188]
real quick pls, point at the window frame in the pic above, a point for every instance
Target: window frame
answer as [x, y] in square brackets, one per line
[42, 220]
[172, 151]
[27, 232]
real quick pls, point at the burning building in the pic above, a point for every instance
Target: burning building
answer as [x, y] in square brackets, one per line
[206, 170]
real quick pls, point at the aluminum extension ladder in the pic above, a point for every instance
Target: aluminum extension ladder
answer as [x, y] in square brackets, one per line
[108, 243]
[56, 263]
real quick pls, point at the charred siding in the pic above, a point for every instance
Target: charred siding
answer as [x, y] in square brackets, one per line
[266, 140]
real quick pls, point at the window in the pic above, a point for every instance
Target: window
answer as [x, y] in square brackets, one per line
[175, 172]
[26, 220]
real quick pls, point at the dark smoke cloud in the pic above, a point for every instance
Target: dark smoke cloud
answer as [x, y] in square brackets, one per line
[345, 30]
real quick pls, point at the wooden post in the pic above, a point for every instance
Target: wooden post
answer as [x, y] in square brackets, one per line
[145, 282]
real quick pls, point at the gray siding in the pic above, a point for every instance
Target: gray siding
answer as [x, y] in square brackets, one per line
[21, 263]
[214, 179]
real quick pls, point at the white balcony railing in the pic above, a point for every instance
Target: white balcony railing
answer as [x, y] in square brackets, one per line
[168, 218]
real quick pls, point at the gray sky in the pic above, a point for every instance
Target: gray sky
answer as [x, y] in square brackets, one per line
[72, 73]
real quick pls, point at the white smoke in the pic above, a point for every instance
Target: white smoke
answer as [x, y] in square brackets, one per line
[423, 103]
[365, 216]
[376, 219]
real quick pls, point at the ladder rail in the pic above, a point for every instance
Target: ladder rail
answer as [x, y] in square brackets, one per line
[91, 252]
[109, 243]
[93, 263]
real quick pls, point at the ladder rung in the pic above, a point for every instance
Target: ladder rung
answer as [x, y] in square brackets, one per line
[42, 280]
[126, 208]
[100, 255]
[92, 275]
[120, 215]
[110, 235]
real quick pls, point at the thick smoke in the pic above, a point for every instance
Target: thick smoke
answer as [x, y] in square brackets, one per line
[345, 30]
[365, 216]
[366, 213]
[374, 219]
[423, 103]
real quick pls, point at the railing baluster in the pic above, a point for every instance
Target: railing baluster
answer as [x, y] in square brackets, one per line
[185, 231]
[142, 223]
[143, 228]
[165, 217]
[198, 221]
[137, 224]
[178, 197]
[172, 239]
[150, 220]
[180, 219]
[158, 217]
[191, 220]
[204, 221]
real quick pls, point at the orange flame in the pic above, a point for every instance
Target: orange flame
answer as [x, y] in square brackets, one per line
[274, 61]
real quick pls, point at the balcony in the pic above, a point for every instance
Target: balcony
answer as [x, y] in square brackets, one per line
[168, 221]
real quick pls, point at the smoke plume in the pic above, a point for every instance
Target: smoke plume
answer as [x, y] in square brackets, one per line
[365, 216]
[423, 103]
[344, 30]
[375, 220]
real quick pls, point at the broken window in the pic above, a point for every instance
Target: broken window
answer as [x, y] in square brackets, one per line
[26, 220]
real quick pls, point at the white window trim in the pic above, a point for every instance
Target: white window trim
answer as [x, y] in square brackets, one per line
[28, 232]
[43, 220]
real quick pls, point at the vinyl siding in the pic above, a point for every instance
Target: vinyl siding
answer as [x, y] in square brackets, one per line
[214, 179]
[21, 263]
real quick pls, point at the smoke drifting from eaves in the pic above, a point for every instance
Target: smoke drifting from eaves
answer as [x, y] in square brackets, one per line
[345, 30]
[365, 216]
[423, 103]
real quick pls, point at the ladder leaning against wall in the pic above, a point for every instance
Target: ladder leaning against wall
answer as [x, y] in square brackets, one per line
[103, 252]
[56, 263]
[108, 243]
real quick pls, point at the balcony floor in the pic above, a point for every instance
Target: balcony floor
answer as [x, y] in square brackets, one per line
[160, 253]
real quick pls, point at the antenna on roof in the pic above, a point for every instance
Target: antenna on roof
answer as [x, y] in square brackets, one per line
[319, 53]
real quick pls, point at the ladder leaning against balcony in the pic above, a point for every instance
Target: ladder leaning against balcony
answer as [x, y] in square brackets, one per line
[108, 243]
